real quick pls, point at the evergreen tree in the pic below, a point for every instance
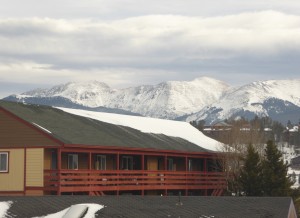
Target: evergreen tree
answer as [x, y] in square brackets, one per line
[251, 176]
[274, 172]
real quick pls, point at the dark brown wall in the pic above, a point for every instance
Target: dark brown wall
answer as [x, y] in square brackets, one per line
[15, 133]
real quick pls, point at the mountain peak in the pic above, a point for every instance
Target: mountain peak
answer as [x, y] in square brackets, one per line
[203, 97]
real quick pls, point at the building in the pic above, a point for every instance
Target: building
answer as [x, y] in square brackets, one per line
[153, 206]
[44, 150]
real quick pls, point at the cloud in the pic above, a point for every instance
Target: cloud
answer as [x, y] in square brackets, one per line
[147, 48]
[264, 31]
[119, 9]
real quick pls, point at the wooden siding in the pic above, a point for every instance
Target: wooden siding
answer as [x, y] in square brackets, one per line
[14, 179]
[179, 164]
[152, 163]
[35, 167]
[34, 192]
[47, 159]
[10, 127]
[110, 162]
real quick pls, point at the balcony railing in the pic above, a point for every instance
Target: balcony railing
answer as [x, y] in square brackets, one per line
[120, 180]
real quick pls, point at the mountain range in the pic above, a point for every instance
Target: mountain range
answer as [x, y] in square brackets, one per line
[203, 98]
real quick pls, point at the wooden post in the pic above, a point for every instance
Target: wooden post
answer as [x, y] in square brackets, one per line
[89, 174]
[143, 161]
[205, 171]
[186, 164]
[186, 173]
[118, 161]
[25, 169]
[118, 175]
[90, 161]
[166, 163]
[59, 170]
[143, 169]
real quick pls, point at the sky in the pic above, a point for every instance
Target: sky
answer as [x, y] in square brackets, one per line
[133, 42]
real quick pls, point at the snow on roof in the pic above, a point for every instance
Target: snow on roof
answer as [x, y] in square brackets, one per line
[4, 206]
[153, 125]
[92, 209]
[46, 130]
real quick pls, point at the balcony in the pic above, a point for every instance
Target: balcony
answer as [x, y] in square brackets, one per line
[99, 181]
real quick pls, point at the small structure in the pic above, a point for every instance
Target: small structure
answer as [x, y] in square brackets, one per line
[218, 126]
[44, 150]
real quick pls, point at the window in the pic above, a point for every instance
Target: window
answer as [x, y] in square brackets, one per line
[170, 164]
[73, 161]
[3, 162]
[190, 165]
[127, 163]
[100, 162]
[53, 160]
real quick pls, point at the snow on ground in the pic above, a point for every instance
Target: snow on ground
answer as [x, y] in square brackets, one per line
[152, 125]
[92, 209]
[4, 206]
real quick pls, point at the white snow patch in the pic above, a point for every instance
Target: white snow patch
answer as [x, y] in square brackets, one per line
[46, 130]
[92, 209]
[153, 125]
[4, 206]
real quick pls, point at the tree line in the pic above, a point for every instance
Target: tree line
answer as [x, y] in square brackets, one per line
[242, 131]
[264, 175]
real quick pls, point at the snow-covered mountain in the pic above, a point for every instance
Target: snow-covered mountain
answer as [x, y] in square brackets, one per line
[202, 98]
[279, 99]
[165, 100]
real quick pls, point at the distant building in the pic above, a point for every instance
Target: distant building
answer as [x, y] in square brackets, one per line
[292, 135]
[218, 126]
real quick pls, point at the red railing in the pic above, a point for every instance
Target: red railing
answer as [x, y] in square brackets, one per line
[119, 180]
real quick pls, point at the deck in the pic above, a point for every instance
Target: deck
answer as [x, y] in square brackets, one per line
[93, 181]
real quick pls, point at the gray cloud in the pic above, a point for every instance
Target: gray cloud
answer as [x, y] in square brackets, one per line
[150, 49]
[107, 9]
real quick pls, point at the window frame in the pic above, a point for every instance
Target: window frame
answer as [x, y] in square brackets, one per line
[170, 164]
[7, 161]
[128, 161]
[99, 159]
[190, 164]
[72, 155]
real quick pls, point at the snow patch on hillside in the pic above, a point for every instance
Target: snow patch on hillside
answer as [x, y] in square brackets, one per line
[250, 98]
[201, 98]
[165, 100]
[153, 125]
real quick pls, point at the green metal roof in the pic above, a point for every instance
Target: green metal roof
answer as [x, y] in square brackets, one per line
[73, 129]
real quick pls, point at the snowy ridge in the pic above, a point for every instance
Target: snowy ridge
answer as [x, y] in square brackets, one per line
[153, 125]
[90, 94]
[165, 100]
[251, 98]
[203, 98]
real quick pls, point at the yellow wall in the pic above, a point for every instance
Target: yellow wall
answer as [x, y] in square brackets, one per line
[35, 167]
[14, 179]
[152, 163]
